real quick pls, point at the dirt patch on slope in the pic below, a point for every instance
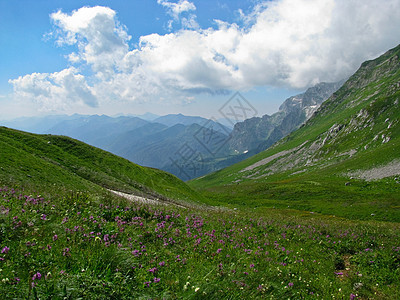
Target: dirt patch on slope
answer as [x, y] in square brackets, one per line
[271, 158]
[143, 200]
[391, 169]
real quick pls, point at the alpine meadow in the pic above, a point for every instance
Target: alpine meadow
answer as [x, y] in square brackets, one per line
[301, 202]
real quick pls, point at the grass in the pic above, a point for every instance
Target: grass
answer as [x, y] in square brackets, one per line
[285, 235]
[73, 245]
[360, 118]
[61, 161]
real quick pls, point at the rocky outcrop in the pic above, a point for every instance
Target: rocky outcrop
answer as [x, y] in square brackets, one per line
[259, 133]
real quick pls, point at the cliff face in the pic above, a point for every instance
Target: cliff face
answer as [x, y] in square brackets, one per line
[259, 133]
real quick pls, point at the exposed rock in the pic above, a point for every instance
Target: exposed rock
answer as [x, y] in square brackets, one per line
[260, 133]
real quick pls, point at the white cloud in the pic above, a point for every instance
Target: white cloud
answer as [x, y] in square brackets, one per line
[175, 9]
[286, 43]
[55, 91]
[101, 40]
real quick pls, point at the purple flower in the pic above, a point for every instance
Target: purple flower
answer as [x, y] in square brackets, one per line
[55, 237]
[352, 296]
[162, 264]
[156, 279]
[339, 273]
[5, 250]
[290, 284]
[66, 252]
[219, 250]
[37, 276]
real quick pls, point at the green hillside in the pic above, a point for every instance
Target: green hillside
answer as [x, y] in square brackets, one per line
[53, 162]
[343, 161]
[63, 236]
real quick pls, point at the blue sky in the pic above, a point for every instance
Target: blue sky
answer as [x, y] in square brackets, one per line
[162, 56]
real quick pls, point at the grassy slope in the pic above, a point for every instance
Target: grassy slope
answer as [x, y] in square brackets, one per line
[48, 161]
[86, 245]
[72, 247]
[364, 107]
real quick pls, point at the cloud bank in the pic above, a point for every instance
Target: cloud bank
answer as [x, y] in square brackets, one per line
[282, 43]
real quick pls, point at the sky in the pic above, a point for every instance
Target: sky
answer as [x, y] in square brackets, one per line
[181, 56]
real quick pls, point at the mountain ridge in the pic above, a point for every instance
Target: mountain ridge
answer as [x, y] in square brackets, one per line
[357, 129]
[63, 161]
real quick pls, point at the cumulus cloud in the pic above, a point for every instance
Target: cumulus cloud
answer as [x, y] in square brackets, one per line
[175, 9]
[101, 40]
[55, 90]
[285, 43]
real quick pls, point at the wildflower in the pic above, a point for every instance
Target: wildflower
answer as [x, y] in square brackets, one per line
[196, 289]
[55, 237]
[219, 250]
[290, 284]
[66, 252]
[156, 280]
[352, 296]
[5, 250]
[152, 270]
[36, 276]
[161, 264]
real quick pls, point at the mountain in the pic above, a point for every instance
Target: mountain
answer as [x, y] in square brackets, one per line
[259, 133]
[39, 124]
[96, 130]
[346, 154]
[175, 119]
[147, 116]
[62, 162]
[172, 148]
[153, 144]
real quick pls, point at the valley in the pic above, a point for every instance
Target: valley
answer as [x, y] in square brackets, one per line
[315, 214]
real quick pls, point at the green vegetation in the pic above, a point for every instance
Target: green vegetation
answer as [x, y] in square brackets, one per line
[298, 221]
[319, 167]
[73, 246]
[62, 162]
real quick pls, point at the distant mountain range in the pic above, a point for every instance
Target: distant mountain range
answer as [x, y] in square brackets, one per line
[158, 143]
[186, 146]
